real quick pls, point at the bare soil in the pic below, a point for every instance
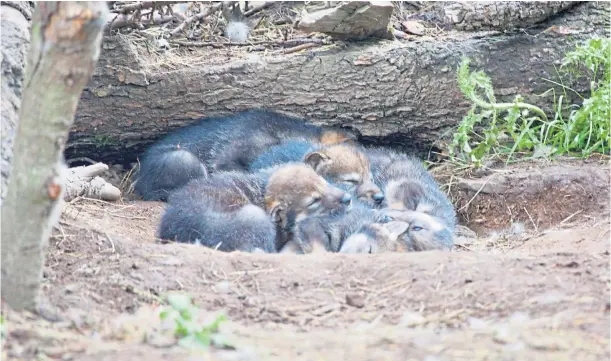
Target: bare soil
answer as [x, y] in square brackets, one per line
[540, 292]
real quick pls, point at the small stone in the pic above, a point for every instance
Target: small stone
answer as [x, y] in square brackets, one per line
[163, 44]
[48, 311]
[355, 300]
[411, 319]
[71, 288]
[413, 27]
[222, 287]
[504, 336]
[571, 264]
[356, 20]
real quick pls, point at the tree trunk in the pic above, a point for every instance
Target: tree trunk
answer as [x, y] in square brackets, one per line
[394, 93]
[65, 46]
[15, 40]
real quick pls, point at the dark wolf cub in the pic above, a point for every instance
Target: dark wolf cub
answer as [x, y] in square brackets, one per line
[220, 144]
[238, 211]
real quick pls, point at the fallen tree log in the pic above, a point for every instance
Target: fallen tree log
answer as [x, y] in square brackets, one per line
[15, 41]
[393, 93]
[501, 15]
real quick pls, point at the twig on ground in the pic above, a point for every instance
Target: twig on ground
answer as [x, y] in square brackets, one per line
[97, 200]
[255, 271]
[81, 159]
[531, 220]
[300, 47]
[479, 190]
[143, 5]
[464, 247]
[212, 9]
[256, 9]
[571, 216]
[282, 43]
[283, 21]
[61, 229]
[125, 217]
[124, 21]
[112, 244]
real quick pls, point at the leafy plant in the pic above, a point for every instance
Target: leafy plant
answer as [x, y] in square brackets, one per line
[505, 121]
[190, 333]
[492, 128]
[586, 128]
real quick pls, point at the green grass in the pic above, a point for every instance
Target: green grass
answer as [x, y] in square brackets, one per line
[506, 129]
[191, 334]
[2, 330]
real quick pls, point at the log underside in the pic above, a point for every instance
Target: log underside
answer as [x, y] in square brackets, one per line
[394, 93]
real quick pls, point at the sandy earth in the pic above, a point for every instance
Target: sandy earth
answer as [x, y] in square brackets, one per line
[518, 294]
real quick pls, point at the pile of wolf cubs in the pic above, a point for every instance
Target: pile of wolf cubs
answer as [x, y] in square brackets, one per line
[259, 181]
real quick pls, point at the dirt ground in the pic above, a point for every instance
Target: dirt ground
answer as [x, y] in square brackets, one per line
[533, 290]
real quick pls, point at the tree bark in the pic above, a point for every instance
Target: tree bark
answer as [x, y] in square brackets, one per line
[65, 46]
[395, 93]
[15, 40]
[501, 15]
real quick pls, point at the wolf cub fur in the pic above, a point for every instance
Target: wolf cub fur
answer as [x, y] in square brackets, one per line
[220, 144]
[341, 164]
[408, 186]
[249, 212]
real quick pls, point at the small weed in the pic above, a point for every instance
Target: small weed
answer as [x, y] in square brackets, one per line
[189, 332]
[2, 330]
[505, 129]
[101, 141]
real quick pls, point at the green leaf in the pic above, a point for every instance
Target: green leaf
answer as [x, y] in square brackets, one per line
[214, 326]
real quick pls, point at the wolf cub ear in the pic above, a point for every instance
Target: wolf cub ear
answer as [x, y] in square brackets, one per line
[396, 228]
[316, 159]
[276, 213]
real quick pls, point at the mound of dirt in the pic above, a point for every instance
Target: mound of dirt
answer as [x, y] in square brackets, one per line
[533, 295]
[538, 195]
